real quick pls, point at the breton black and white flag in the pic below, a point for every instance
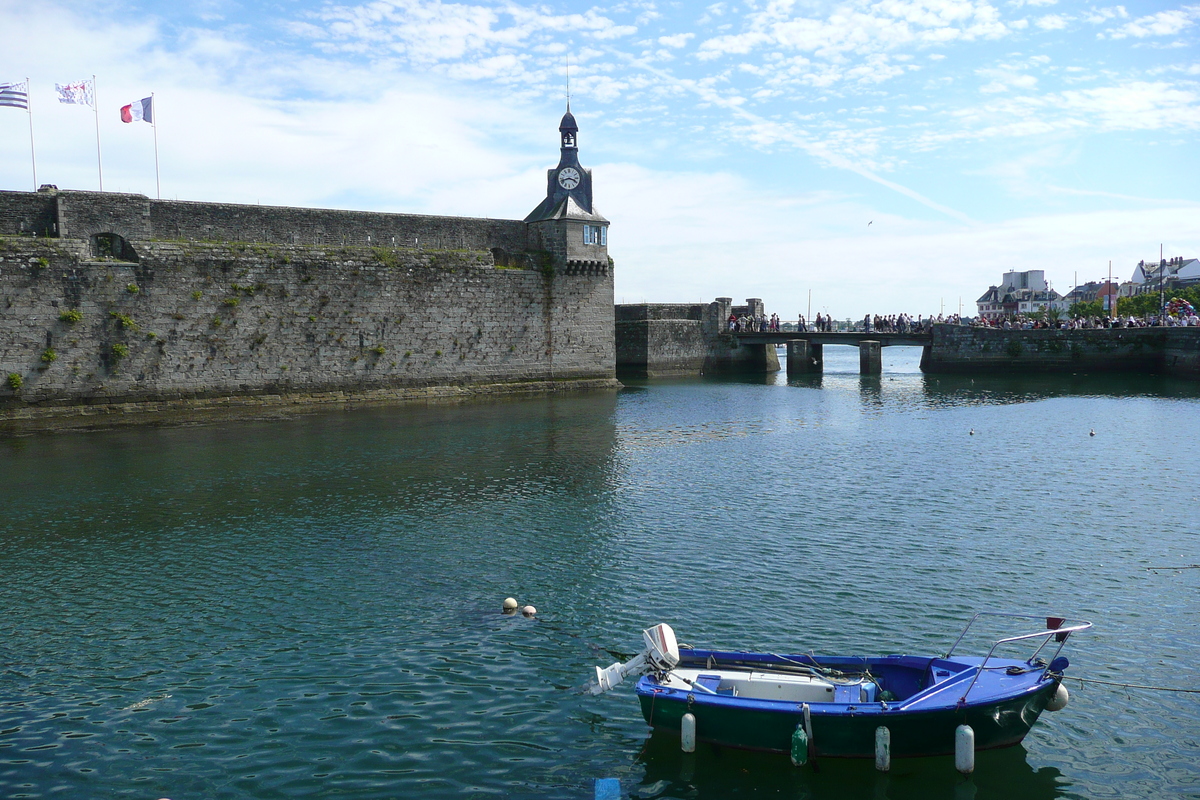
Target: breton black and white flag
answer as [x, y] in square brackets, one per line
[14, 95]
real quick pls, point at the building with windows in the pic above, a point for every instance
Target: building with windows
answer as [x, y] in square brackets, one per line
[1018, 293]
[1167, 273]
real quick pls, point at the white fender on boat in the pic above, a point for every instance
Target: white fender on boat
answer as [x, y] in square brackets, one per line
[1060, 699]
[687, 733]
[964, 749]
[883, 749]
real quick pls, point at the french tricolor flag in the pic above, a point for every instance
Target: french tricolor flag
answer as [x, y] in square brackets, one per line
[139, 110]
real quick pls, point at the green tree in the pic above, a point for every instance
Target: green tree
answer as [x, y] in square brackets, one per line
[1147, 304]
[1088, 308]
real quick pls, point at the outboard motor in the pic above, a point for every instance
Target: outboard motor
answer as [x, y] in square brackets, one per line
[661, 655]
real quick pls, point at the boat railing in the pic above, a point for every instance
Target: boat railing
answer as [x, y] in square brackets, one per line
[1057, 630]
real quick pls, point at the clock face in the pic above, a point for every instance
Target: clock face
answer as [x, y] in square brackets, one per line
[568, 178]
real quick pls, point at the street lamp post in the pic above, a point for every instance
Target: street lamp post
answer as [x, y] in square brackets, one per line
[1162, 300]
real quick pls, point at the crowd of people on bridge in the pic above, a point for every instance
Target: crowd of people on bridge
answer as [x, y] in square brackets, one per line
[1180, 314]
[751, 323]
[824, 323]
[904, 323]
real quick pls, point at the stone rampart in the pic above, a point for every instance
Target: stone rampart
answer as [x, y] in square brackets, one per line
[963, 349]
[27, 214]
[82, 215]
[315, 226]
[197, 324]
[665, 339]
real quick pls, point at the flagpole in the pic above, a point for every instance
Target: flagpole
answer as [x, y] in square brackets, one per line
[32, 151]
[154, 125]
[96, 108]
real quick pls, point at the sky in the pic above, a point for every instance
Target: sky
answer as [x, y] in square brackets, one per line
[868, 156]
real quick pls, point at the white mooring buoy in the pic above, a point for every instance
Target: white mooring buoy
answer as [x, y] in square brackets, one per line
[883, 749]
[964, 749]
[687, 733]
[510, 604]
[529, 611]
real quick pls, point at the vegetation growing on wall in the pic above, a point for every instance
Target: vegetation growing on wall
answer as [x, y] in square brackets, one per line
[125, 322]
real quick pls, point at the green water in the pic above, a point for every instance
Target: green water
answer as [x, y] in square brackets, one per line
[311, 607]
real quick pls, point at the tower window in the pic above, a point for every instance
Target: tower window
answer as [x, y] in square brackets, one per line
[595, 234]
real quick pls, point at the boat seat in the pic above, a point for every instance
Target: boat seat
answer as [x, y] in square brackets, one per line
[855, 693]
[711, 682]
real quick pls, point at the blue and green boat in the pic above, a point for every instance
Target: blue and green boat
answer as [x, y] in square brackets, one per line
[835, 706]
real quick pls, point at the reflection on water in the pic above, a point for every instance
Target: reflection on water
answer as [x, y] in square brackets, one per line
[311, 607]
[902, 382]
[717, 773]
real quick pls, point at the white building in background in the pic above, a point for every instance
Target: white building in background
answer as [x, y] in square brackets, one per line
[1169, 272]
[1018, 293]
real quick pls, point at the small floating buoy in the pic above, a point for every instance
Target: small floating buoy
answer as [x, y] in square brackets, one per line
[529, 611]
[687, 733]
[883, 749]
[1092, 432]
[1060, 699]
[971, 432]
[510, 604]
[964, 749]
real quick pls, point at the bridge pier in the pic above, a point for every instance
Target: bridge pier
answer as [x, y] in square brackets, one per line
[870, 357]
[803, 357]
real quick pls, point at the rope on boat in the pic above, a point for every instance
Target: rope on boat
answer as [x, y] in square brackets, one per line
[1133, 685]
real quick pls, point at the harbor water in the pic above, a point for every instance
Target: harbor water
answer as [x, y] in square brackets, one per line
[311, 607]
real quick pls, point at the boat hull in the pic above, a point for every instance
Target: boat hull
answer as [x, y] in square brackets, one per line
[851, 735]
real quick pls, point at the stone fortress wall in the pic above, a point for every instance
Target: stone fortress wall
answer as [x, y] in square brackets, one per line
[114, 303]
[678, 339]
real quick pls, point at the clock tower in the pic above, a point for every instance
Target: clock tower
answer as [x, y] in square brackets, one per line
[566, 224]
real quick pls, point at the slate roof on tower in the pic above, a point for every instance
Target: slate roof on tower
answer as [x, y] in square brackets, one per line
[566, 208]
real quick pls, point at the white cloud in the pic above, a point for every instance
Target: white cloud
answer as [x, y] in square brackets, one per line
[1096, 16]
[676, 40]
[1164, 23]
[1052, 22]
[861, 29]
[431, 31]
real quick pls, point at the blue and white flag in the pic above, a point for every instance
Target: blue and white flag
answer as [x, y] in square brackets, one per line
[14, 95]
[80, 94]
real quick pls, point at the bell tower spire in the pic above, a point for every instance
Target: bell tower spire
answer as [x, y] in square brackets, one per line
[566, 223]
[568, 130]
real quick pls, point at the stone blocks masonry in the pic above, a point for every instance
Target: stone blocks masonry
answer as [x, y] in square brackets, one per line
[116, 304]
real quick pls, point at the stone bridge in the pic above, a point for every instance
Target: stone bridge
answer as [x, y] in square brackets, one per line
[805, 350]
